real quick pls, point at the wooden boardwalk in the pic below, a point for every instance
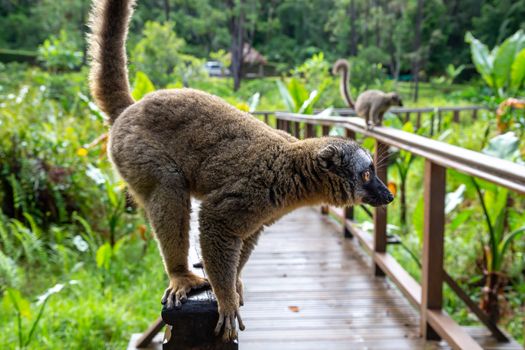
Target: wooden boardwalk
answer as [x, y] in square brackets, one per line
[306, 287]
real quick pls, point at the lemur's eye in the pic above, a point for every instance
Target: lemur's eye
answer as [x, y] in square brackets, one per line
[366, 175]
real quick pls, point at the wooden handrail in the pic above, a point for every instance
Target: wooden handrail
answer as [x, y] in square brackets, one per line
[439, 157]
[349, 111]
[405, 113]
[499, 171]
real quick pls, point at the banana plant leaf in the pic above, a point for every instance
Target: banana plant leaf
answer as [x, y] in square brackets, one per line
[482, 59]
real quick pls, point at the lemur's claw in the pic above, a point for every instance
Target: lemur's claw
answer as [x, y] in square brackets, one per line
[179, 287]
[230, 326]
[240, 292]
[239, 320]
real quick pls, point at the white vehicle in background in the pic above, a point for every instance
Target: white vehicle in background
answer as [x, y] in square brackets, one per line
[216, 69]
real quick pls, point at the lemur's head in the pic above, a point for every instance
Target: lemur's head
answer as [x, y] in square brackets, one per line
[395, 100]
[351, 174]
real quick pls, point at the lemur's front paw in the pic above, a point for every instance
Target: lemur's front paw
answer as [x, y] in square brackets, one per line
[240, 291]
[227, 319]
[179, 286]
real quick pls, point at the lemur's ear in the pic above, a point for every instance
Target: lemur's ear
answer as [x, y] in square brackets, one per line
[329, 156]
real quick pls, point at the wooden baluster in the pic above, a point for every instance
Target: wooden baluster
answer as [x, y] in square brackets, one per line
[310, 131]
[349, 211]
[325, 209]
[433, 245]
[456, 116]
[380, 214]
[418, 121]
[297, 130]
[474, 114]
[432, 119]
[266, 119]
[407, 117]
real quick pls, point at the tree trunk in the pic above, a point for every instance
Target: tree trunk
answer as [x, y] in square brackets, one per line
[417, 48]
[237, 44]
[353, 29]
[167, 9]
[377, 26]
[365, 29]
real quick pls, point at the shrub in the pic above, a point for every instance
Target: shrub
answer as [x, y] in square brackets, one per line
[160, 55]
[60, 53]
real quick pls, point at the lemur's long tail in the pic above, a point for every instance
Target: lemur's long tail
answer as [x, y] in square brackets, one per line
[108, 78]
[342, 67]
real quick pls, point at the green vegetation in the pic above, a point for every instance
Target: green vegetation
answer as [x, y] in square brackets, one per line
[78, 265]
[503, 68]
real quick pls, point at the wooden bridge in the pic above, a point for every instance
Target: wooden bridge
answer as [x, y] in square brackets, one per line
[309, 287]
[317, 281]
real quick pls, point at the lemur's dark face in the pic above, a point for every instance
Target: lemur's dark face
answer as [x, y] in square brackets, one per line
[396, 100]
[355, 173]
[369, 189]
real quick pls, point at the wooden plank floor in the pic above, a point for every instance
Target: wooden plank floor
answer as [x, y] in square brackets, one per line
[308, 288]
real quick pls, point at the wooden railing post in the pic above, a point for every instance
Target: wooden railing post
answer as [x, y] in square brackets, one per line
[380, 218]
[349, 211]
[286, 125]
[297, 130]
[418, 121]
[456, 116]
[433, 244]
[324, 209]
[310, 131]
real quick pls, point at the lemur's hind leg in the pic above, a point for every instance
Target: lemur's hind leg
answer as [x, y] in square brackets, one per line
[168, 208]
[364, 112]
[223, 227]
[247, 247]
[376, 115]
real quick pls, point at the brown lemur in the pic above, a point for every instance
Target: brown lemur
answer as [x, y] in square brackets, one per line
[370, 104]
[174, 144]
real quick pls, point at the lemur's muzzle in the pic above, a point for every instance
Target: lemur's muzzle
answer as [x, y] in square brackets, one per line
[377, 194]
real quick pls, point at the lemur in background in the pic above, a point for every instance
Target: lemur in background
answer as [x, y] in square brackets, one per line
[371, 104]
[182, 143]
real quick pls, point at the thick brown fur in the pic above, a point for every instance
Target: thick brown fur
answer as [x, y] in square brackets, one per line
[108, 77]
[174, 144]
[371, 104]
